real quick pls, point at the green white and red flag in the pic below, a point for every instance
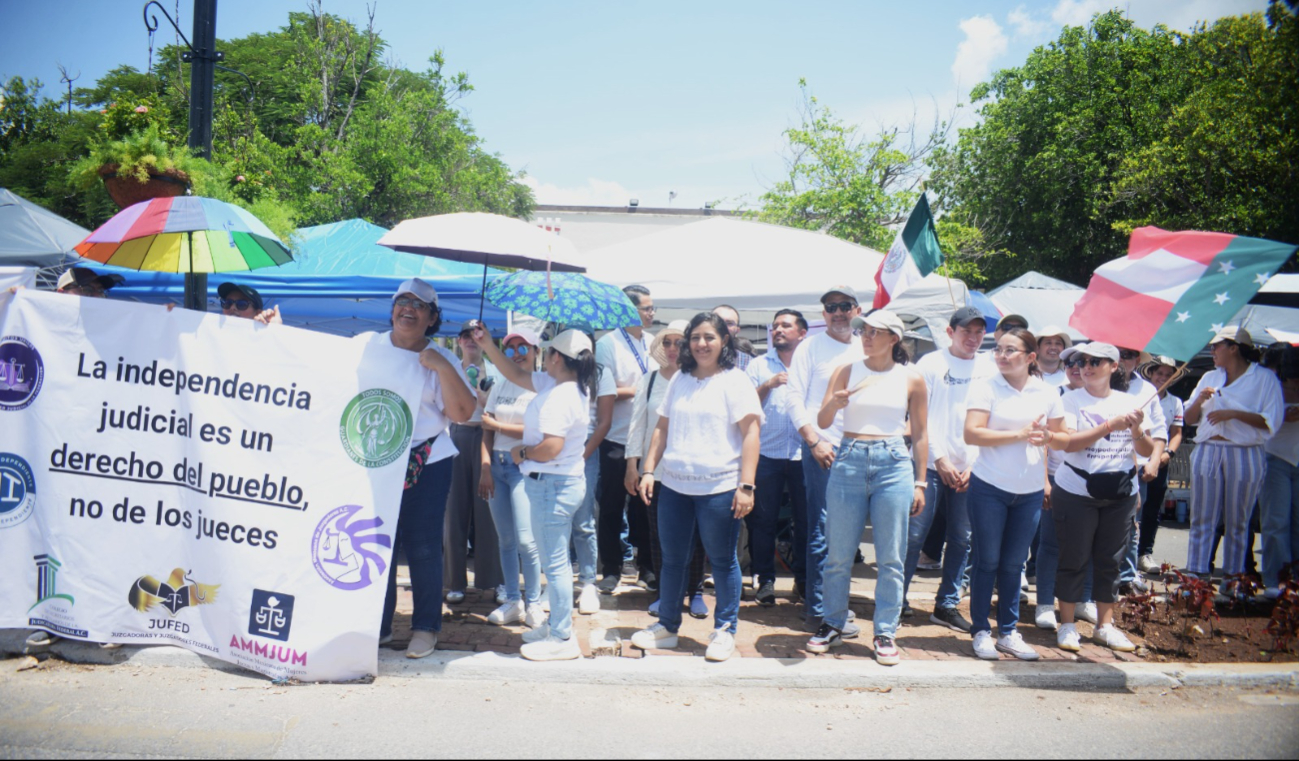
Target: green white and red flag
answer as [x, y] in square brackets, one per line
[1174, 290]
[913, 255]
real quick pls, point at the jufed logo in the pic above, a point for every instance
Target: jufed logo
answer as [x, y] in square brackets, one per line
[175, 594]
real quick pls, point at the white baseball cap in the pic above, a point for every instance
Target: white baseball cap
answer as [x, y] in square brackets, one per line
[419, 289]
[571, 343]
[1093, 349]
[881, 319]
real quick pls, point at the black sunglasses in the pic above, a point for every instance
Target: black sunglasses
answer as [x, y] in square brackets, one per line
[840, 306]
[1129, 354]
[238, 304]
[1085, 361]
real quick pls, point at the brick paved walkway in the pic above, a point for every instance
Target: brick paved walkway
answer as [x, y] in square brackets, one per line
[763, 632]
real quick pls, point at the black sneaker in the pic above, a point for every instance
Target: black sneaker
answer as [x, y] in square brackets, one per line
[825, 638]
[649, 580]
[951, 618]
[907, 611]
[766, 595]
[799, 593]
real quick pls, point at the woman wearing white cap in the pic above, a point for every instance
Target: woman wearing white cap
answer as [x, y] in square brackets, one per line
[1096, 496]
[501, 484]
[446, 399]
[874, 479]
[1237, 407]
[550, 457]
[651, 390]
[1009, 417]
[707, 437]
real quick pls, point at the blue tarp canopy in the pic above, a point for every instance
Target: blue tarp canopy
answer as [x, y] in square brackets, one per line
[339, 282]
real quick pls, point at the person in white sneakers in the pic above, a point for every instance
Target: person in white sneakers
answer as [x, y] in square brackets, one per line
[1009, 418]
[708, 438]
[650, 393]
[1096, 495]
[550, 458]
[585, 536]
[501, 484]
[874, 480]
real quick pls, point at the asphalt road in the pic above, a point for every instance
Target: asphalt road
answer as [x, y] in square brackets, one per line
[63, 710]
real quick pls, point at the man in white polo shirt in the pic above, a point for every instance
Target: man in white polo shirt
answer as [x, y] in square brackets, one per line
[625, 353]
[814, 362]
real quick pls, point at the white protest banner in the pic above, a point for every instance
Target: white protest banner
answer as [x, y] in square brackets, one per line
[200, 480]
[17, 277]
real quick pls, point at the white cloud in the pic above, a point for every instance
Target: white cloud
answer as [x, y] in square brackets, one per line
[1176, 14]
[1026, 24]
[984, 42]
[594, 193]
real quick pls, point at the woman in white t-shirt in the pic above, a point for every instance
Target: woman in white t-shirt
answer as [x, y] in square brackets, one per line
[446, 399]
[1279, 501]
[1096, 493]
[550, 458]
[874, 479]
[501, 484]
[708, 438]
[1009, 417]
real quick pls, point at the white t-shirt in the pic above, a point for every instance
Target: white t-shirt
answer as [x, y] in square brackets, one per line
[627, 358]
[1058, 378]
[1111, 454]
[1142, 390]
[815, 360]
[558, 410]
[948, 378]
[645, 415]
[1257, 391]
[1174, 414]
[487, 370]
[702, 455]
[604, 386]
[431, 419]
[508, 402]
[1285, 444]
[1016, 467]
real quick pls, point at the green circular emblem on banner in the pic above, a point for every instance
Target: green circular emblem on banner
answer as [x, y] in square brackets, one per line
[376, 428]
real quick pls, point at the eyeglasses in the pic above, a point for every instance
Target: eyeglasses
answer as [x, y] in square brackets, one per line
[404, 302]
[840, 306]
[870, 333]
[649, 310]
[520, 351]
[731, 323]
[238, 304]
[1080, 362]
[1128, 354]
[680, 343]
[1005, 351]
[94, 291]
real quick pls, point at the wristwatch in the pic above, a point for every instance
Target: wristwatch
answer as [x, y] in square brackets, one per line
[748, 487]
[523, 453]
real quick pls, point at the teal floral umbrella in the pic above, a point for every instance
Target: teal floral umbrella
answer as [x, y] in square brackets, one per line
[564, 297]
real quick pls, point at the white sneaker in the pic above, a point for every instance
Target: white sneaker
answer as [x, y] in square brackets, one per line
[1023, 580]
[1014, 644]
[1067, 638]
[509, 613]
[537, 634]
[1085, 611]
[588, 603]
[385, 640]
[536, 616]
[552, 649]
[984, 646]
[1147, 564]
[926, 563]
[422, 644]
[500, 595]
[1109, 636]
[455, 597]
[1045, 618]
[721, 645]
[656, 637]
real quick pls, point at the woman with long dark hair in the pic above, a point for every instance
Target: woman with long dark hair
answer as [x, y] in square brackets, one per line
[1237, 407]
[1096, 496]
[1009, 417]
[707, 437]
[874, 479]
[550, 457]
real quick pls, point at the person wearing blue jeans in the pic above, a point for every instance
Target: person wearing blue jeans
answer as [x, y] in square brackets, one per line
[555, 500]
[684, 519]
[1279, 500]
[1009, 417]
[874, 477]
[775, 477]
[420, 529]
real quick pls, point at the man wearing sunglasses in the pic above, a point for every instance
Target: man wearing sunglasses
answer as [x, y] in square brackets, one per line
[1129, 359]
[814, 362]
[244, 301]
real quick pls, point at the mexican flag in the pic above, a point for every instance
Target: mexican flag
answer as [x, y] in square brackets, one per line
[1174, 290]
[913, 255]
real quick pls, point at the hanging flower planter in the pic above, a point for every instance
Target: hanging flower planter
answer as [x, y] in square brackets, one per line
[128, 191]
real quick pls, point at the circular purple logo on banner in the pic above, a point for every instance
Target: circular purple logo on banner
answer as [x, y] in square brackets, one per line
[341, 549]
[21, 373]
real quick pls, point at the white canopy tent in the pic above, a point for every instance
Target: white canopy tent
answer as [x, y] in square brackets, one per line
[1042, 300]
[758, 268]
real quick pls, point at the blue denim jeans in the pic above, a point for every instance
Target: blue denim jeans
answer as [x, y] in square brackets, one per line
[871, 481]
[815, 481]
[681, 517]
[554, 500]
[1128, 569]
[939, 495]
[420, 527]
[1048, 561]
[1279, 503]
[512, 515]
[774, 476]
[585, 541]
[1002, 524]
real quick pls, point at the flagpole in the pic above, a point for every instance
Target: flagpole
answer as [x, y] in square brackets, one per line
[1181, 370]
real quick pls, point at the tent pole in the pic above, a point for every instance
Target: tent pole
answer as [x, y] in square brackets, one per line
[482, 293]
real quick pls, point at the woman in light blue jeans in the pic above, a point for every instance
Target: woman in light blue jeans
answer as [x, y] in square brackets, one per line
[1279, 500]
[874, 479]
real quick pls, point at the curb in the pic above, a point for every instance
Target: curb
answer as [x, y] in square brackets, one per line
[678, 671]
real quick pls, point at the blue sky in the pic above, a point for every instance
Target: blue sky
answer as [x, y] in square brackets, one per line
[600, 102]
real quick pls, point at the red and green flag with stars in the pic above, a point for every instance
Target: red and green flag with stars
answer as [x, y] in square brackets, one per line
[1174, 290]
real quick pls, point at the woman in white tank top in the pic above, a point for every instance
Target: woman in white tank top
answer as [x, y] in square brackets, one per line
[873, 477]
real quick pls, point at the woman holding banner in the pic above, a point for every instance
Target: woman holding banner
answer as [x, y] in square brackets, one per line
[446, 399]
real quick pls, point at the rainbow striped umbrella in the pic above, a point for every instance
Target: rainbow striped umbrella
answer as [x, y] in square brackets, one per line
[186, 234]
